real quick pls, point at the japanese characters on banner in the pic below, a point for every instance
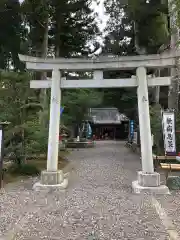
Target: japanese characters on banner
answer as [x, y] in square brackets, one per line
[168, 121]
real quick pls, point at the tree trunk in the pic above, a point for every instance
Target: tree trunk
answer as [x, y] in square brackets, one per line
[173, 96]
[43, 92]
[139, 49]
[157, 88]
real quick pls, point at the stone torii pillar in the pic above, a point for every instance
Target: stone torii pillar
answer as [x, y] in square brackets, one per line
[148, 180]
[52, 176]
[54, 123]
[144, 121]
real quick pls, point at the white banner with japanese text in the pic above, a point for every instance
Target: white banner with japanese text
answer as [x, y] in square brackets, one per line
[168, 122]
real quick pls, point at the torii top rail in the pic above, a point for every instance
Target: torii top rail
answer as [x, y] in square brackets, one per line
[167, 59]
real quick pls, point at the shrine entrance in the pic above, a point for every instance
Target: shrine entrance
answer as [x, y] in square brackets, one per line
[148, 180]
[110, 132]
[108, 124]
[104, 132]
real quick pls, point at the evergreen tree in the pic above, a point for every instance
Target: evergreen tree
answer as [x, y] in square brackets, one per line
[73, 26]
[145, 22]
[66, 25]
[36, 15]
[150, 22]
[11, 34]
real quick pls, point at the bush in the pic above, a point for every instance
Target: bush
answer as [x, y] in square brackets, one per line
[156, 129]
[24, 170]
[36, 138]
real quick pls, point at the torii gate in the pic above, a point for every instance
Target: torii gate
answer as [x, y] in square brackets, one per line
[148, 180]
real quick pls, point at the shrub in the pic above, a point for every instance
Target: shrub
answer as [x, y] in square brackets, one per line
[24, 170]
[36, 138]
[156, 129]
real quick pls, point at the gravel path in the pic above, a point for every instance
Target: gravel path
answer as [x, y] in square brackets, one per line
[171, 204]
[98, 204]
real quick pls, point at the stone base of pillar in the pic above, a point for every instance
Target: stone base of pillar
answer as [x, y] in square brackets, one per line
[55, 180]
[149, 182]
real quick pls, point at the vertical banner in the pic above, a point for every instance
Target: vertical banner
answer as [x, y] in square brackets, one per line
[168, 123]
[131, 129]
[89, 131]
[61, 110]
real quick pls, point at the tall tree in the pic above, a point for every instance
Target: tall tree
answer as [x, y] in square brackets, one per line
[37, 15]
[60, 28]
[150, 23]
[11, 34]
[73, 26]
[174, 14]
[134, 27]
[146, 19]
[119, 41]
[66, 25]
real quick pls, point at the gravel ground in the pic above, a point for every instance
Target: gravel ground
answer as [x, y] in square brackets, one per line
[98, 204]
[171, 204]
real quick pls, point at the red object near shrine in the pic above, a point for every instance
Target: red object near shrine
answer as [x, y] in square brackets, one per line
[178, 154]
[60, 138]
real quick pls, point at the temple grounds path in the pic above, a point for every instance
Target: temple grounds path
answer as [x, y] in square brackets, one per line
[98, 204]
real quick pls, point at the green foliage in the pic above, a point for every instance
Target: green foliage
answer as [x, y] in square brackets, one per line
[20, 106]
[156, 129]
[123, 99]
[70, 26]
[151, 23]
[36, 138]
[120, 34]
[73, 25]
[144, 23]
[24, 170]
[134, 25]
[11, 35]
[36, 15]
[15, 97]
[77, 102]
[174, 6]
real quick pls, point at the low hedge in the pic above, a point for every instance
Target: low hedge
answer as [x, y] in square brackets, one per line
[80, 144]
[25, 169]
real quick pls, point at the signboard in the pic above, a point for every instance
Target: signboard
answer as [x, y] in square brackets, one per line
[168, 122]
